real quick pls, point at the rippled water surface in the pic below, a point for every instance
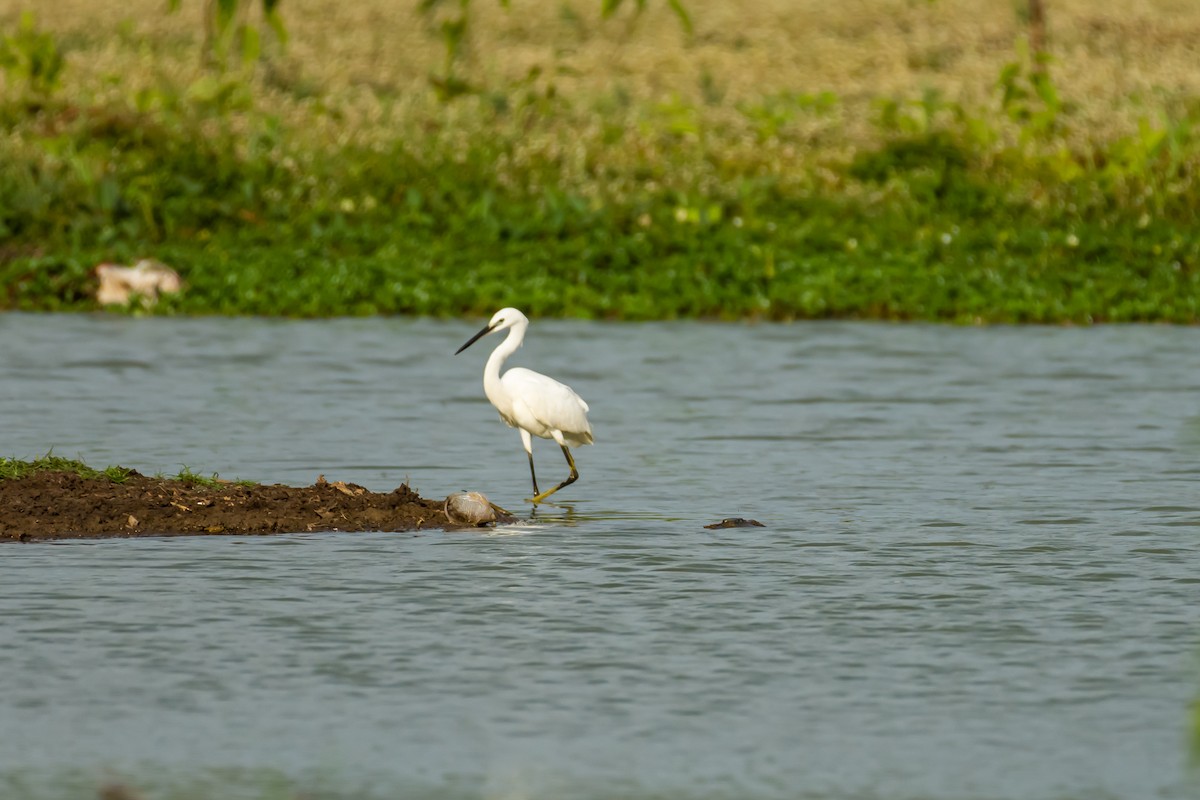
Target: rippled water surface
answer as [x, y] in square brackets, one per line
[979, 575]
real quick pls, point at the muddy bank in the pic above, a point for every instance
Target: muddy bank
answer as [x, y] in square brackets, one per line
[62, 505]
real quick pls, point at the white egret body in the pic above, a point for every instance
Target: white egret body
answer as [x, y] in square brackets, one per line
[531, 402]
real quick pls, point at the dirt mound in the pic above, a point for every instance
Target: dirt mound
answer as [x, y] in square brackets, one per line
[62, 505]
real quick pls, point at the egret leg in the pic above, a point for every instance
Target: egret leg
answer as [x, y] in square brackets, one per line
[527, 441]
[574, 476]
[532, 474]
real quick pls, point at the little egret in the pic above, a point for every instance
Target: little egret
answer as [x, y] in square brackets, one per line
[529, 401]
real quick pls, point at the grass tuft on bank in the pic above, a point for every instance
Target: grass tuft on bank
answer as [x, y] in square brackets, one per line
[213, 481]
[911, 166]
[15, 469]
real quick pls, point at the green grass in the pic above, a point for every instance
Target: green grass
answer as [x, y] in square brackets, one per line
[15, 469]
[213, 481]
[1023, 202]
[921, 227]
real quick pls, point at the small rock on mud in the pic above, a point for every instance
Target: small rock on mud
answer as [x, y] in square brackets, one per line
[473, 509]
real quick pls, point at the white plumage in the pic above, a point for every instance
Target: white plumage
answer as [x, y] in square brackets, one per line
[535, 404]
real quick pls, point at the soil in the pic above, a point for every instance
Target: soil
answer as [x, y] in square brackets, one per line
[61, 505]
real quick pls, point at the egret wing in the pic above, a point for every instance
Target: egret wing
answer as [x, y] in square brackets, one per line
[542, 404]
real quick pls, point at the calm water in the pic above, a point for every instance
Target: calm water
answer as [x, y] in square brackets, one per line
[980, 575]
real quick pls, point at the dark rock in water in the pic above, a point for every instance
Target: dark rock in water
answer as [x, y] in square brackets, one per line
[736, 522]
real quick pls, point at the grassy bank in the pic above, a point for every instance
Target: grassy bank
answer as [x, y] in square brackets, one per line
[16, 468]
[887, 160]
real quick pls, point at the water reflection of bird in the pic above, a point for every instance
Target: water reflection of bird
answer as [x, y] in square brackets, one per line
[531, 402]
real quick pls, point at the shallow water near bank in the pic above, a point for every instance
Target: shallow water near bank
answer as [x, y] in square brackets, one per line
[978, 577]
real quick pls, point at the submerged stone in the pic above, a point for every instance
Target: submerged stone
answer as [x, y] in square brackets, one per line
[736, 522]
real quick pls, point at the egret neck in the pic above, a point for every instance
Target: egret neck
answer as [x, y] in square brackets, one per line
[491, 371]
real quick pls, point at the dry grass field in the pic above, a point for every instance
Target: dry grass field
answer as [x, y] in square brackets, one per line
[1115, 62]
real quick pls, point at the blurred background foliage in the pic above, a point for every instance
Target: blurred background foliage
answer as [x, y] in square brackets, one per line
[902, 159]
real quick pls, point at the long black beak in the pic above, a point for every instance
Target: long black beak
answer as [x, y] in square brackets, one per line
[486, 330]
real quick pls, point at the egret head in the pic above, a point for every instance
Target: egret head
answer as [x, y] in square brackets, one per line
[504, 318]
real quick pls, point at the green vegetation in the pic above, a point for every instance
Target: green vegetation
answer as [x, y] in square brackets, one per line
[15, 468]
[213, 481]
[12, 468]
[789, 163]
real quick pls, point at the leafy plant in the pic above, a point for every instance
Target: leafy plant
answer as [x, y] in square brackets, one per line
[228, 32]
[610, 7]
[453, 27]
[32, 57]
[772, 113]
[1028, 95]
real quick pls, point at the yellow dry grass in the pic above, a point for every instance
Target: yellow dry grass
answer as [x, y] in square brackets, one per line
[1117, 62]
